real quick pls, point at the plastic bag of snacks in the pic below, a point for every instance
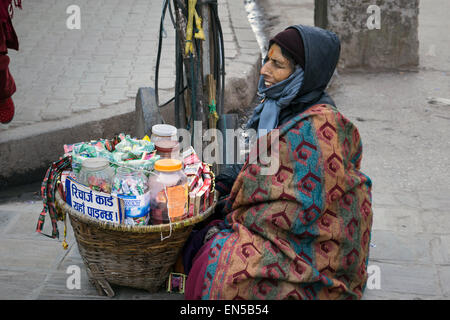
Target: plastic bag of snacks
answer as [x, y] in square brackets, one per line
[120, 151]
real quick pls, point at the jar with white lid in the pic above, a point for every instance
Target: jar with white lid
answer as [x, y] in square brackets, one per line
[163, 132]
[168, 192]
[97, 174]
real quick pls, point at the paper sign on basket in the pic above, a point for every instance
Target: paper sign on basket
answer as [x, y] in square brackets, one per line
[98, 205]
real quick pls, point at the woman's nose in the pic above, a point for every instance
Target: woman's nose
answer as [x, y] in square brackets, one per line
[264, 70]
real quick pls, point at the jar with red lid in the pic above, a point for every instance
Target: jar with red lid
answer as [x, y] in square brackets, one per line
[168, 149]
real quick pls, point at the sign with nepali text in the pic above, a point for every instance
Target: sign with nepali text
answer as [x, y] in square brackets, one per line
[98, 205]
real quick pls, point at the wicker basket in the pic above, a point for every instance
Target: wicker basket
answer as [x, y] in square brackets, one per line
[124, 255]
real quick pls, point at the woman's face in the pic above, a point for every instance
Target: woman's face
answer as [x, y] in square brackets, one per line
[277, 68]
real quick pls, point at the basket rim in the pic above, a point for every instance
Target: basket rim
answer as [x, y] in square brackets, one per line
[129, 228]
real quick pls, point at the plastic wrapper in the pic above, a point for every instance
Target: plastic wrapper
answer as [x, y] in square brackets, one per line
[190, 157]
[134, 148]
[120, 151]
[195, 169]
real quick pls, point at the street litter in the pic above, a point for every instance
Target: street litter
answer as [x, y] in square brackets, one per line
[439, 101]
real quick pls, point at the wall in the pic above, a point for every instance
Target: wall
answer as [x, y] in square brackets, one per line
[394, 45]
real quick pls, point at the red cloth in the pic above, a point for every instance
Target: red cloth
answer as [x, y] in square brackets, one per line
[7, 84]
[195, 280]
[8, 36]
[7, 89]
[6, 110]
[8, 39]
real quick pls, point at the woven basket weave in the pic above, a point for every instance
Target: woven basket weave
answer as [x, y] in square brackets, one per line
[124, 255]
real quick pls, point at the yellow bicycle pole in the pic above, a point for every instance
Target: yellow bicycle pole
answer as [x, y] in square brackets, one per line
[190, 27]
[192, 13]
[198, 23]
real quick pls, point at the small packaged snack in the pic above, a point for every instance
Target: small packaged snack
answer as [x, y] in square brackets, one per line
[192, 182]
[193, 209]
[190, 157]
[202, 202]
[194, 169]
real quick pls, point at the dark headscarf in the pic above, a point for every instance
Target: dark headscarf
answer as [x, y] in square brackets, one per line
[291, 41]
[321, 49]
[318, 55]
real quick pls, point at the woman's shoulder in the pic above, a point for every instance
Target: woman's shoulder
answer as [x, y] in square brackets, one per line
[328, 111]
[317, 110]
[319, 116]
[329, 116]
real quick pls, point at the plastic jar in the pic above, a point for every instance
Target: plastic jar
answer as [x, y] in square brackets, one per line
[163, 132]
[97, 174]
[168, 149]
[131, 186]
[168, 192]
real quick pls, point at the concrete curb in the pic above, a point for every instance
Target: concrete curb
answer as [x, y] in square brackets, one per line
[26, 152]
[242, 72]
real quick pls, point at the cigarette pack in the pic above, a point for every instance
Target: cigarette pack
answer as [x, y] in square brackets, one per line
[197, 202]
[206, 169]
[191, 205]
[201, 198]
[198, 185]
[192, 182]
[193, 169]
[193, 209]
[190, 157]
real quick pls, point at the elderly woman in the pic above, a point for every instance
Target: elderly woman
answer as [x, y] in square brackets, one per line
[303, 232]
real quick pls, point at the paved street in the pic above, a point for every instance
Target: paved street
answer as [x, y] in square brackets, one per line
[62, 72]
[405, 138]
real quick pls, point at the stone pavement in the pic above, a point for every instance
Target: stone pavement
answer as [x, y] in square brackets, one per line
[406, 153]
[33, 266]
[77, 85]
